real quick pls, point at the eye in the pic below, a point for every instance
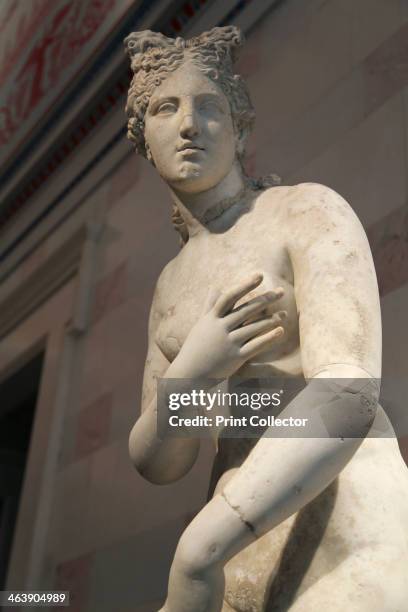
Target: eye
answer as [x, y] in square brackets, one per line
[166, 107]
[211, 106]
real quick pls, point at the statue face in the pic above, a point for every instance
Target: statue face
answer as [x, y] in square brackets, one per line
[189, 131]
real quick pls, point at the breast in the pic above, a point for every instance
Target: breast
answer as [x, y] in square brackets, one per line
[186, 307]
[177, 320]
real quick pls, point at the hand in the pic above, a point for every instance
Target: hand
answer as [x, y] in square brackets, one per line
[226, 336]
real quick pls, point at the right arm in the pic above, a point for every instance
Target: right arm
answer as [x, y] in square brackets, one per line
[221, 341]
[159, 461]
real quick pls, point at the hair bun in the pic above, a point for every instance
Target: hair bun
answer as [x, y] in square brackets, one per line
[139, 42]
[228, 38]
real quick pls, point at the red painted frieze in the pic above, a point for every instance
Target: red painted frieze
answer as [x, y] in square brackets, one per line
[52, 40]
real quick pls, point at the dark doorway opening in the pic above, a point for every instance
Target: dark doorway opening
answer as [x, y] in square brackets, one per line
[18, 397]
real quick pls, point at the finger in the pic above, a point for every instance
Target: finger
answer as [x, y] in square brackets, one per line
[247, 332]
[282, 314]
[244, 312]
[227, 300]
[212, 296]
[261, 343]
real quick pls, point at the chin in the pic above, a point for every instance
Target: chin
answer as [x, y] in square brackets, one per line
[192, 179]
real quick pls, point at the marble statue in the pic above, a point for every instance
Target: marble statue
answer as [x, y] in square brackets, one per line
[270, 280]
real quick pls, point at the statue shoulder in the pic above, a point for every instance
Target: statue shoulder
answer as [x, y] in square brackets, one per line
[311, 200]
[306, 210]
[315, 212]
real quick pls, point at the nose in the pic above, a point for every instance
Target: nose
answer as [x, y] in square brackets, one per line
[189, 125]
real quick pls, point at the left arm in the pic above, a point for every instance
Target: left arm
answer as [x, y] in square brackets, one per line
[340, 336]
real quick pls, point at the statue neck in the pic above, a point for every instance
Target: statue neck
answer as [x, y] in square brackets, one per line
[200, 210]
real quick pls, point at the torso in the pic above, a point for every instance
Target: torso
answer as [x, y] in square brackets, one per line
[364, 504]
[256, 243]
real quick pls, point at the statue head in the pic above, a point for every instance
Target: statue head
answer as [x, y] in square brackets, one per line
[195, 74]
[164, 68]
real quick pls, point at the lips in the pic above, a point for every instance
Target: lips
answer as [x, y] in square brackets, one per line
[189, 146]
